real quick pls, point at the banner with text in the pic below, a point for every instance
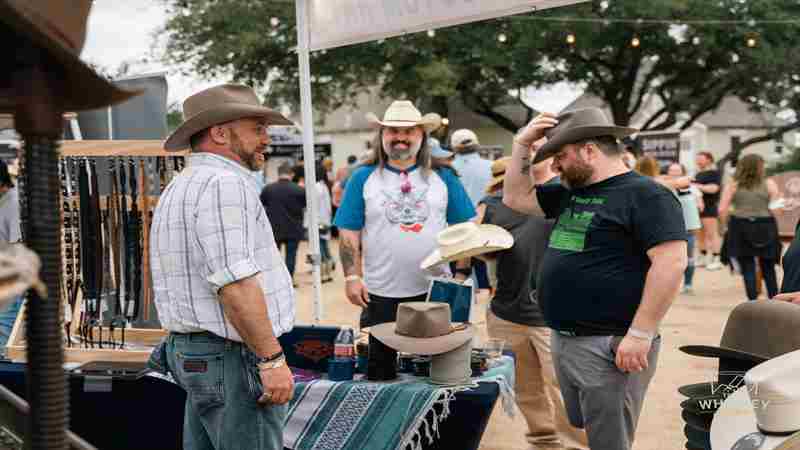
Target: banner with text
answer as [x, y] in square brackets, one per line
[664, 147]
[345, 22]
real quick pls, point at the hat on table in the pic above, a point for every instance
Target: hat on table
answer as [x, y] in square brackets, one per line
[423, 328]
[765, 413]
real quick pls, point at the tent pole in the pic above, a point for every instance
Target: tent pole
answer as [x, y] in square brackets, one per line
[308, 151]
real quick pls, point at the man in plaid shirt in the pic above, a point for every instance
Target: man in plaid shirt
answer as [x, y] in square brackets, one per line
[221, 287]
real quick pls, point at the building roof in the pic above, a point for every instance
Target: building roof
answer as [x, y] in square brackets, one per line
[731, 113]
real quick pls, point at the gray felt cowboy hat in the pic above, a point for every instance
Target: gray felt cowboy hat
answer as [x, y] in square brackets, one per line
[577, 125]
[423, 328]
[217, 105]
[59, 28]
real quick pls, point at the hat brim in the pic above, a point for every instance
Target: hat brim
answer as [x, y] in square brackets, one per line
[702, 390]
[84, 88]
[735, 420]
[494, 239]
[494, 182]
[430, 122]
[572, 135]
[226, 112]
[697, 421]
[697, 438]
[710, 351]
[385, 333]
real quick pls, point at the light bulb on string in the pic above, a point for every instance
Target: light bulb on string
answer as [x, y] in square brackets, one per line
[431, 33]
[751, 42]
[502, 37]
[636, 42]
[696, 40]
[571, 38]
[274, 21]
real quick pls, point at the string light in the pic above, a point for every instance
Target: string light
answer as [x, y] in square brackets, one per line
[696, 40]
[274, 21]
[502, 37]
[571, 39]
[639, 21]
[636, 42]
[751, 42]
[431, 33]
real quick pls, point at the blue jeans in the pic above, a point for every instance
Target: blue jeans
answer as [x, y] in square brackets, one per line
[324, 250]
[688, 274]
[291, 254]
[222, 386]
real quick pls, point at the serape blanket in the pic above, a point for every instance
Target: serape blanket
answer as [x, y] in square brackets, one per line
[397, 415]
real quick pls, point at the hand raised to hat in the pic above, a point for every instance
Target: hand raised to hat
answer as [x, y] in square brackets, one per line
[535, 129]
[632, 354]
[791, 297]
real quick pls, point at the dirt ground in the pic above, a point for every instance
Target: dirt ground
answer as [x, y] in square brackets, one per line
[695, 319]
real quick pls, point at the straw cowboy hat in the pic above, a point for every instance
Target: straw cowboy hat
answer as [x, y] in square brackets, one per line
[403, 114]
[498, 173]
[19, 271]
[765, 413]
[216, 105]
[59, 28]
[423, 328]
[577, 125]
[465, 240]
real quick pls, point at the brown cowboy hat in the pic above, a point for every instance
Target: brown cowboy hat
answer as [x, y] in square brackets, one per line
[59, 28]
[498, 173]
[217, 105]
[755, 332]
[577, 125]
[423, 328]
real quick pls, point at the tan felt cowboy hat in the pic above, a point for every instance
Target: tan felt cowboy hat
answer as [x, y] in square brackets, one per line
[59, 28]
[423, 328]
[465, 240]
[765, 413]
[577, 125]
[19, 271]
[755, 332]
[498, 172]
[217, 105]
[403, 114]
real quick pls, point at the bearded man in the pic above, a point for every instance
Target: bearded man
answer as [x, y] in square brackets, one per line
[391, 212]
[611, 270]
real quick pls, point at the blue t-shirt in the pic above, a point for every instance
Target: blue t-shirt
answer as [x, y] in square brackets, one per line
[400, 213]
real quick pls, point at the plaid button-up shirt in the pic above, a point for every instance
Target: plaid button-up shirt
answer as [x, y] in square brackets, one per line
[209, 230]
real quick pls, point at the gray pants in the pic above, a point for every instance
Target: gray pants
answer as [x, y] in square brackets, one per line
[597, 395]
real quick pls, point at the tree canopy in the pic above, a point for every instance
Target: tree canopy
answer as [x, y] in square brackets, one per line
[687, 54]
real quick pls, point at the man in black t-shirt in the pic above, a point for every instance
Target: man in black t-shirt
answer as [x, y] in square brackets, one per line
[612, 268]
[514, 315]
[709, 181]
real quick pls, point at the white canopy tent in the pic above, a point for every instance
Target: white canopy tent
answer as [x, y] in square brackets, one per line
[323, 24]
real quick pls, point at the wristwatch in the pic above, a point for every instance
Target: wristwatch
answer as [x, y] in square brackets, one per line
[274, 364]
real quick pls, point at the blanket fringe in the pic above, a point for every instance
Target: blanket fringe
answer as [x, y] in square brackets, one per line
[429, 426]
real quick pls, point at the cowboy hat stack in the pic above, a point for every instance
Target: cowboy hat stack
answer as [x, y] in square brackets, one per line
[403, 114]
[465, 240]
[763, 414]
[424, 328]
[756, 332]
[58, 28]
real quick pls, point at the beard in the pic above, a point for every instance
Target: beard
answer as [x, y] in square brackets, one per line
[397, 153]
[251, 160]
[578, 174]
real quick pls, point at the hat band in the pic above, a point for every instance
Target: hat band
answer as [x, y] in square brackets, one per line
[451, 330]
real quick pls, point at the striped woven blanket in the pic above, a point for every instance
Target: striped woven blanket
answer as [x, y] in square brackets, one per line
[326, 415]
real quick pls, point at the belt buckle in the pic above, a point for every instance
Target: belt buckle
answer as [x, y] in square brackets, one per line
[567, 333]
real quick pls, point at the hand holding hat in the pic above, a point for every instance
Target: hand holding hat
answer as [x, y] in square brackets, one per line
[535, 129]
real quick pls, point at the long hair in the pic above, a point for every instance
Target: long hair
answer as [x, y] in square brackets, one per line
[424, 160]
[647, 166]
[750, 172]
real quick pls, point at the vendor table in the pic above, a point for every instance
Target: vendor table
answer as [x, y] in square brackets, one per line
[147, 412]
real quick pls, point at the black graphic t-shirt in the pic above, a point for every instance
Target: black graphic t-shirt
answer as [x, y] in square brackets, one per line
[593, 273]
[711, 201]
